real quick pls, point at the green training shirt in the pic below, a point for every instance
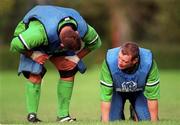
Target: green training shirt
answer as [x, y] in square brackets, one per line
[152, 88]
[35, 36]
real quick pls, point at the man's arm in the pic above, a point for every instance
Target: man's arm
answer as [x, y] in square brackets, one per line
[152, 91]
[25, 40]
[152, 95]
[83, 52]
[153, 109]
[91, 41]
[106, 92]
[105, 109]
[19, 28]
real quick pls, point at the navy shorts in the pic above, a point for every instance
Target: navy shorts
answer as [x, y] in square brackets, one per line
[27, 66]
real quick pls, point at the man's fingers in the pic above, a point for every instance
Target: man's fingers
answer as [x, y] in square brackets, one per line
[45, 56]
[41, 59]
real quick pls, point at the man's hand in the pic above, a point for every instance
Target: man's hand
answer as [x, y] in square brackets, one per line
[39, 57]
[74, 58]
[80, 65]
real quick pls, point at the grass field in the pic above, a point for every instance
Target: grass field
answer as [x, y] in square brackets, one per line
[85, 104]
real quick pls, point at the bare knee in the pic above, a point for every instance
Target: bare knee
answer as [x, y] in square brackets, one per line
[35, 78]
[68, 78]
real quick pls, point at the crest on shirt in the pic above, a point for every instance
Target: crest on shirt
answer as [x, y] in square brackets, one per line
[129, 86]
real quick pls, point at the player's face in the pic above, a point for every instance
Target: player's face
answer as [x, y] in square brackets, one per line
[125, 61]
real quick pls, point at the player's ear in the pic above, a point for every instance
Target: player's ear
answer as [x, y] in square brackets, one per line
[135, 60]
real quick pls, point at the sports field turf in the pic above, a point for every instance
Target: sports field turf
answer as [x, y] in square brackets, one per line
[85, 104]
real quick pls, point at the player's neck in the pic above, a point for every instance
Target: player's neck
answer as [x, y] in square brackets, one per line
[132, 69]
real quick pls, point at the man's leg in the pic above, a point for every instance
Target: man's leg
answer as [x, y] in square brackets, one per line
[64, 93]
[140, 106]
[67, 72]
[34, 72]
[117, 107]
[33, 90]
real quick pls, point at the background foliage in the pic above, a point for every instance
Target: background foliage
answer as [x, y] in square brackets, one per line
[153, 24]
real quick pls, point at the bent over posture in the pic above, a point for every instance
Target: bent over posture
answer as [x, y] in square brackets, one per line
[60, 35]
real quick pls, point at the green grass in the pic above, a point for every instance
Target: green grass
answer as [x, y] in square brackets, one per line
[85, 104]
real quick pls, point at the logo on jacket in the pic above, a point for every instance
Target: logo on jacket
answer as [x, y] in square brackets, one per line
[129, 86]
